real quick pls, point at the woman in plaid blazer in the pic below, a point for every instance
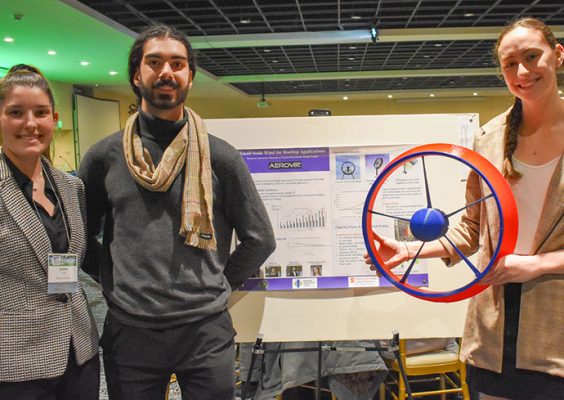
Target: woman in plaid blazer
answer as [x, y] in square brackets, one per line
[48, 342]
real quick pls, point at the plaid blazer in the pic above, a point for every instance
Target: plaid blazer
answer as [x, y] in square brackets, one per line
[36, 328]
[541, 325]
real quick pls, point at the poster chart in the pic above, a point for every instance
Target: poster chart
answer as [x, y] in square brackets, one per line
[314, 197]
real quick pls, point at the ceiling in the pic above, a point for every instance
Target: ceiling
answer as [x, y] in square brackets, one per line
[282, 47]
[39, 26]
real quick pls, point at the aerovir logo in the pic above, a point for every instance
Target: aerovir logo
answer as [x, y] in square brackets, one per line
[285, 165]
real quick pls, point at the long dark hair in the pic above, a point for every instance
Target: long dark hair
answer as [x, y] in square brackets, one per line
[156, 31]
[515, 116]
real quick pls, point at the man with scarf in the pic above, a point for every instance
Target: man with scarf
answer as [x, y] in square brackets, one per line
[169, 197]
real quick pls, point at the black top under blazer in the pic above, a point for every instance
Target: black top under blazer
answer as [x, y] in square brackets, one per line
[37, 329]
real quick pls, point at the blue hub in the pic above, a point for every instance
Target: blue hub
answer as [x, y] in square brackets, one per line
[428, 224]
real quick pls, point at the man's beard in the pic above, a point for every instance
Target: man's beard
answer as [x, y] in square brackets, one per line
[163, 101]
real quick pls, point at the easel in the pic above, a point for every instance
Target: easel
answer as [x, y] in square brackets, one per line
[258, 350]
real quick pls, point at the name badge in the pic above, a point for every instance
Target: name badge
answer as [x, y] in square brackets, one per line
[62, 273]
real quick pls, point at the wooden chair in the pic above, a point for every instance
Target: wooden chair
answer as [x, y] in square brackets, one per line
[442, 365]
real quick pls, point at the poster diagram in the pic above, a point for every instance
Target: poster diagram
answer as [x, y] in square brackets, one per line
[348, 166]
[308, 218]
[314, 198]
[375, 163]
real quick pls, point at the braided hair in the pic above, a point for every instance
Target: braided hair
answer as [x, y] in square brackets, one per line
[512, 124]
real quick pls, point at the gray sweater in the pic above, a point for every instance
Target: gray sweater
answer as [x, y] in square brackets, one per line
[149, 277]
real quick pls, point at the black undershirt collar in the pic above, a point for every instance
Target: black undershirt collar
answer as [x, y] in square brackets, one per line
[54, 225]
[159, 130]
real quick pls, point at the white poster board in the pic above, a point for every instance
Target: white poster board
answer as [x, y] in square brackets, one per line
[350, 314]
[94, 120]
[315, 197]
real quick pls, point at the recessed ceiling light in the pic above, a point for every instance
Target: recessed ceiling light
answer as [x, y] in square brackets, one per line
[84, 63]
[468, 15]
[431, 95]
[113, 73]
[345, 97]
[390, 96]
[475, 94]
[8, 39]
[356, 17]
[51, 52]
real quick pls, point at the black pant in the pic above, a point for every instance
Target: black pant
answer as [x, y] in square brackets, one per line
[139, 362]
[77, 382]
